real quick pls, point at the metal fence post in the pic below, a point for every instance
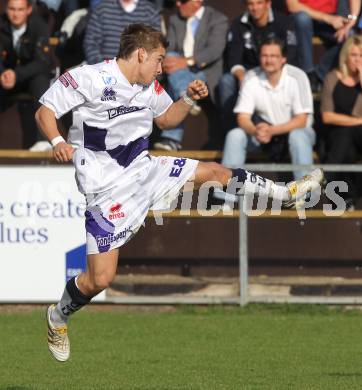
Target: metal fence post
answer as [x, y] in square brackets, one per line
[243, 253]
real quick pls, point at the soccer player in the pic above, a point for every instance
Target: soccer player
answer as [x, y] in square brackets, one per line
[114, 104]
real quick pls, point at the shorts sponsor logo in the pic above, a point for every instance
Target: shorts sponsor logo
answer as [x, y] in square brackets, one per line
[178, 164]
[122, 110]
[108, 94]
[106, 241]
[115, 212]
[67, 79]
[158, 87]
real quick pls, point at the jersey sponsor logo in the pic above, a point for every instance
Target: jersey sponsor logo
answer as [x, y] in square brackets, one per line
[158, 87]
[69, 79]
[108, 94]
[122, 110]
[115, 212]
[106, 241]
[109, 80]
[178, 164]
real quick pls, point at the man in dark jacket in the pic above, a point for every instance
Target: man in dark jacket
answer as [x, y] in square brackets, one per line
[197, 35]
[259, 23]
[25, 61]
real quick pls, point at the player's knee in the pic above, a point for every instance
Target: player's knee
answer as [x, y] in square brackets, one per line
[101, 282]
[219, 173]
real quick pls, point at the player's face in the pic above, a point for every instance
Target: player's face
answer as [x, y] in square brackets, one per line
[18, 12]
[151, 66]
[354, 59]
[258, 9]
[271, 58]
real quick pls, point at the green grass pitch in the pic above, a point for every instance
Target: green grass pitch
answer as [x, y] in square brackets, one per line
[257, 347]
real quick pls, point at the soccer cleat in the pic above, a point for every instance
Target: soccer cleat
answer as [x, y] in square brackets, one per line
[58, 341]
[300, 190]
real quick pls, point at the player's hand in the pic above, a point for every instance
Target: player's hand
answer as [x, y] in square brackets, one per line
[197, 90]
[63, 152]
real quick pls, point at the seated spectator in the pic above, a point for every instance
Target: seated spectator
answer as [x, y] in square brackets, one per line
[274, 112]
[246, 33]
[25, 63]
[197, 36]
[341, 110]
[329, 20]
[108, 20]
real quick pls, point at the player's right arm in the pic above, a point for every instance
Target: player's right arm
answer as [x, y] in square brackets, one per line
[71, 89]
[45, 118]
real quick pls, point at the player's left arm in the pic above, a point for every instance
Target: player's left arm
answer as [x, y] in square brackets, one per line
[178, 110]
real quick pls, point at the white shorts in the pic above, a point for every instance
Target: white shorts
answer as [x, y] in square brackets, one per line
[149, 183]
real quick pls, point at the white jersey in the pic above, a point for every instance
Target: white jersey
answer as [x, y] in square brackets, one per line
[112, 119]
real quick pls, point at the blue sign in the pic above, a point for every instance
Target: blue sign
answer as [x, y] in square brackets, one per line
[75, 262]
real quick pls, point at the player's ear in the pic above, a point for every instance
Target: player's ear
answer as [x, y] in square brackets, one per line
[142, 55]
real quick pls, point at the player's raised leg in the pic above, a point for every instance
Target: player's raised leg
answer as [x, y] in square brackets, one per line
[247, 182]
[78, 292]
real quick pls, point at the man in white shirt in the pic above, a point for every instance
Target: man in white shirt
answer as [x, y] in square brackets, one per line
[275, 105]
[114, 104]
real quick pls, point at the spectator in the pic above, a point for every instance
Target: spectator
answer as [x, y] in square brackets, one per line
[246, 33]
[108, 20]
[331, 21]
[197, 36]
[274, 111]
[25, 62]
[341, 110]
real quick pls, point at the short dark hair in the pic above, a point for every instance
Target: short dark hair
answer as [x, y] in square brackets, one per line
[28, 2]
[274, 41]
[138, 35]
